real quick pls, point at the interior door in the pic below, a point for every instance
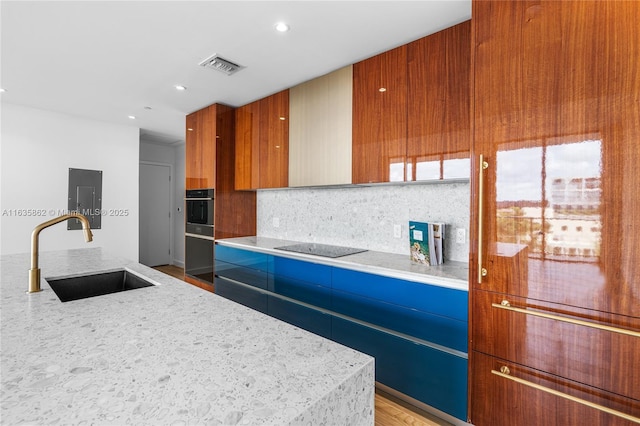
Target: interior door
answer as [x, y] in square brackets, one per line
[155, 214]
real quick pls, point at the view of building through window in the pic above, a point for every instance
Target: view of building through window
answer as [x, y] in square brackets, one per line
[549, 199]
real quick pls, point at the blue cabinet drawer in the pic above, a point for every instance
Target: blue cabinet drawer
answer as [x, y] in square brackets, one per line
[301, 316]
[445, 331]
[243, 274]
[246, 258]
[437, 300]
[302, 271]
[244, 295]
[434, 377]
[310, 293]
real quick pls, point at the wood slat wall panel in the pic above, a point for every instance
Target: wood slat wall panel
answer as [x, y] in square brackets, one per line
[320, 130]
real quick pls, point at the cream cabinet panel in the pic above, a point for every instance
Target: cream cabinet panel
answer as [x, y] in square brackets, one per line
[320, 119]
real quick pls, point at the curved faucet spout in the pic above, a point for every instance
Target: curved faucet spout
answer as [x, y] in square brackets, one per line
[34, 272]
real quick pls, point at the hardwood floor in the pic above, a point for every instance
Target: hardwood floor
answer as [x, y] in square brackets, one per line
[390, 411]
[174, 271]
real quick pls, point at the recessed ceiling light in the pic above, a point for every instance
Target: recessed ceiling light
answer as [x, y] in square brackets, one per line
[132, 117]
[2, 90]
[282, 27]
[180, 88]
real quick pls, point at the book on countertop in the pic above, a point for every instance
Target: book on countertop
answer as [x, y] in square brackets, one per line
[426, 242]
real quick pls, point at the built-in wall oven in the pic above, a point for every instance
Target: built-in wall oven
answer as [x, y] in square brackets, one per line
[199, 233]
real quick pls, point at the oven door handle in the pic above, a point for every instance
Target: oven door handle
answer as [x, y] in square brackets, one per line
[202, 237]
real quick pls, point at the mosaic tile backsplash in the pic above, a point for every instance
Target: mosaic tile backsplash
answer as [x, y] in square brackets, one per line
[364, 217]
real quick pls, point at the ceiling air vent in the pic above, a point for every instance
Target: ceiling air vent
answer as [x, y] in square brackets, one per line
[217, 63]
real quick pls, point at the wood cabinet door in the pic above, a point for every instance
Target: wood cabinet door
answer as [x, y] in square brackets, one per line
[439, 99]
[262, 143]
[200, 148]
[235, 212]
[557, 121]
[542, 335]
[274, 141]
[247, 144]
[555, 101]
[380, 117]
[502, 395]
[191, 150]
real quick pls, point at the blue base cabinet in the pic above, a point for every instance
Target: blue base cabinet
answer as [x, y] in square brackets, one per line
[242, 294]
[428, 312]
[432, 376]
[307, 318]
[416, 332]
[306, 282]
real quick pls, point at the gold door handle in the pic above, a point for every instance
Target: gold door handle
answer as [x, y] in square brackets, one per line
[482, 272]
[506, 373]
[507, 306]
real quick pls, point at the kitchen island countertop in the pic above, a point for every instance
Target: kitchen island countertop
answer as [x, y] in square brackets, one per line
[167, 354]
[450, 274]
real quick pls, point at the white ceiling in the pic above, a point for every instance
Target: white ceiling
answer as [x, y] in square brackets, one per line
[107, 60]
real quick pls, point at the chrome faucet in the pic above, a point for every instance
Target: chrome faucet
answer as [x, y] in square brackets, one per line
[34, 272]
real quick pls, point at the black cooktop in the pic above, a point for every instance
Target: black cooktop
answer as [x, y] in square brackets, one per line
[321, 249]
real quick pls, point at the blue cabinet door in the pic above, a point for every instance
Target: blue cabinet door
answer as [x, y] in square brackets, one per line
[242, 294]
[252, 277]
[301, 316]
[434, 377]
[246, 258]
[303, 281]
[299, 270]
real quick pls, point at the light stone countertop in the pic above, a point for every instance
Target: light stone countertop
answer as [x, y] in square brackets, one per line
[450, 274]
[170, 354]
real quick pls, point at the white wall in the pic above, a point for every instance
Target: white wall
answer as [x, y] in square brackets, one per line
[38, 148]
[175, 156]
[363, 217]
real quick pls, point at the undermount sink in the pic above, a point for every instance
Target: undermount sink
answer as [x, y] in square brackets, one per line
[81, 287]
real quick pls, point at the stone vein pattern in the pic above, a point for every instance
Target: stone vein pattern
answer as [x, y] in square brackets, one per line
[170, 354]
[451, 274]
[363, 216]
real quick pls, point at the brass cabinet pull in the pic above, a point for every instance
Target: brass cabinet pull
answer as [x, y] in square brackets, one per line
[505, 373]
[506, 305]
[482, 272]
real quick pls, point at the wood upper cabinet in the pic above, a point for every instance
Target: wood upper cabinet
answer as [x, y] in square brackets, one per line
[320, 130]
[247, 146]
[411, 110]
[380, 117]
[235, 211]
[274, 140]
[200, 149]
[210, 163]
[262, 143]
[556, 110]
[439, 103]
